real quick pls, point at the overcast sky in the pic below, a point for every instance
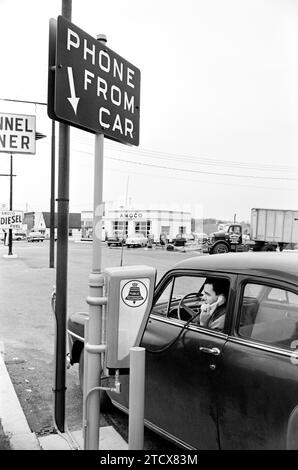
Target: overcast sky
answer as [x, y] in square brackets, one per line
[219, 104]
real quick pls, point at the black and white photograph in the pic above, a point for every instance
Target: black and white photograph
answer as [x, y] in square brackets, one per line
[149, 228]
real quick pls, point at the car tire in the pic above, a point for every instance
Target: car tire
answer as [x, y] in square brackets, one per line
[220, 248]
[268, 248]
[104, 400]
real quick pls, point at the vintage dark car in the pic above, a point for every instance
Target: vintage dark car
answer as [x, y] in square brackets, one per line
[116, 240]
[230, 389]
[179, 240]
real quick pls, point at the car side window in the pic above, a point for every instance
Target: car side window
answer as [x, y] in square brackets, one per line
[185, 286]
[161, 304]
[194, 298]
[269, 314]
[176, 288]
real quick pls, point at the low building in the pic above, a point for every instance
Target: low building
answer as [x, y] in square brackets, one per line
[153, 222]
[41, 222]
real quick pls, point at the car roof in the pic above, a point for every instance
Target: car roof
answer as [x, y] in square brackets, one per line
[281, 265]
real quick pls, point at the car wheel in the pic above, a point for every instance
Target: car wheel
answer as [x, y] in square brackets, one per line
[105, 401]
[220, 248]
[268, 248]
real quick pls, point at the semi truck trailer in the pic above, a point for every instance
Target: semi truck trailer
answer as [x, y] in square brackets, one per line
[270, 229]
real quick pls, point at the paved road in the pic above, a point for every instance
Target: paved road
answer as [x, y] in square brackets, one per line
[28, 325]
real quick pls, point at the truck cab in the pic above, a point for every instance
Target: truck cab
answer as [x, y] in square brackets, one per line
[225, 240]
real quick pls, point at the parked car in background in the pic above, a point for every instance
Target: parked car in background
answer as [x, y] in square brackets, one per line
[179, 240]
[35, 236]
[116, 240]
[235, 388]
[137, 239]
[186, 238]
[19, 236]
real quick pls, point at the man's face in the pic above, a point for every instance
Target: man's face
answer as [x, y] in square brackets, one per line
[209, 296]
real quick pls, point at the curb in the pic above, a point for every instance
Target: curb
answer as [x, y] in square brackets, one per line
[109, 439]
[16, 430]
[13, 421]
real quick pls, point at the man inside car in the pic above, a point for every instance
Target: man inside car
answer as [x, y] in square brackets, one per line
[213, 308]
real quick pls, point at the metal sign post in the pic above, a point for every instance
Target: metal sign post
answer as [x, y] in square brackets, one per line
[61, 270]
[10, 208]
[95, 301]
[52, 205]
[95, 333]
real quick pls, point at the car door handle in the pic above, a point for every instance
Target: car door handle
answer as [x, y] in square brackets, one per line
[213, 351]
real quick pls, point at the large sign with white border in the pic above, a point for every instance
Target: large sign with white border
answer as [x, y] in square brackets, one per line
[90, 86]
[17, 133]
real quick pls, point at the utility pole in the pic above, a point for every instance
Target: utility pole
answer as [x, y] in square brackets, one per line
[62, 258]
[52, 212]
[10, 208]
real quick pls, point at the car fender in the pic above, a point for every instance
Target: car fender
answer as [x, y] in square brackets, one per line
[292, 430]
[75, 352]
[75, 331]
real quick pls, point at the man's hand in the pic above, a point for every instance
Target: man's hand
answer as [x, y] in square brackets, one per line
[205, 314]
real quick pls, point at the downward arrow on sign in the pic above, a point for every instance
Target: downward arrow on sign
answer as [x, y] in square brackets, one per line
[74, 100]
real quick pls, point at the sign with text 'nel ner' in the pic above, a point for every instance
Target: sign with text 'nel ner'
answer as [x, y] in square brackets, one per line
[11, 219]
[94, 88]
[17, 133]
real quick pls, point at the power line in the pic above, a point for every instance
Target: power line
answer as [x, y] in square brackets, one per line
[182, 157]
[207, 161]
[24, 101]
[187, 170]
[206, 172]
[179, 178]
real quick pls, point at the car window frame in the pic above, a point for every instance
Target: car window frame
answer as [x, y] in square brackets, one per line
[243, 280]
[230, 308]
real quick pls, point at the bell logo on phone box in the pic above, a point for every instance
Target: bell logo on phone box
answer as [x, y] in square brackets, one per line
[129, 291]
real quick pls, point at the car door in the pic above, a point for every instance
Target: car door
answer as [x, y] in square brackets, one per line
[258, 406]
[182, 361]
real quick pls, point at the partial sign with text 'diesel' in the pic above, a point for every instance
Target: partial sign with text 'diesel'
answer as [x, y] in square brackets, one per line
[93, 88]
[17, 133]
[11, 219]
